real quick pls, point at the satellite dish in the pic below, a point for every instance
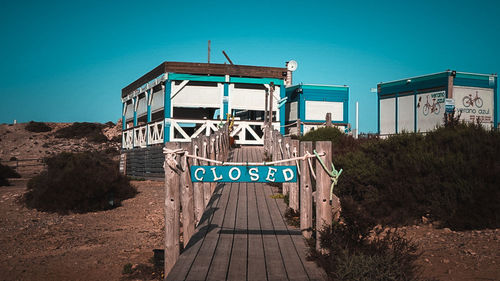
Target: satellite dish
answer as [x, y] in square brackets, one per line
[292, 65]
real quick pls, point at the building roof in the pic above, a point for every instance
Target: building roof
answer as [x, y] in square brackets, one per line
[206, 69]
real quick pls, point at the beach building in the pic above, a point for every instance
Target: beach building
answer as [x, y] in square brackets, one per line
[418, 104]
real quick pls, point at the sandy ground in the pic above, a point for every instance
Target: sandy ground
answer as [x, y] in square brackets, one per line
[95, 246]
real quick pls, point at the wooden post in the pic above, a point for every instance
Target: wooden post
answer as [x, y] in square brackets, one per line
[217, 146]
[286, 155]
[266, 111]
[294, 186]
[323, 184]
[212, 157]
[298, 127]
[172, 211]
[199, 201]
[306, 221]
[206, 185]
[328, 120]
[271, 95]
[187, 194]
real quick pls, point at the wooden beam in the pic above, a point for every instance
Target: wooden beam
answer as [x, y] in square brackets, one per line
[172, 212]
[306, 211]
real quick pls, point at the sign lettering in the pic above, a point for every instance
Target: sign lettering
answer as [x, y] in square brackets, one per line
[244, 173]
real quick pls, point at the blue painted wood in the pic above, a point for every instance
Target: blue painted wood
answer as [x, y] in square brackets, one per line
[166, 110]
[244, 173]
[256, 80]
[282, 110]
[225, 105]
[136, 100]
[191, 77]
[149, 106]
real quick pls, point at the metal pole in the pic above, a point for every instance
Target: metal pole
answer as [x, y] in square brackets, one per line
[357, 120]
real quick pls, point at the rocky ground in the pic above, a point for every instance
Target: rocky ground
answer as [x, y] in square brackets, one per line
[97, 246]
[93, 246]
[18, 143]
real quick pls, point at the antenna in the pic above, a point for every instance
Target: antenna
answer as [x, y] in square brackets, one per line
[227, 57]
[292, 65]
[208, 51]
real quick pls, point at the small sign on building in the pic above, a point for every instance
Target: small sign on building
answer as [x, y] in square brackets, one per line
[449, 105]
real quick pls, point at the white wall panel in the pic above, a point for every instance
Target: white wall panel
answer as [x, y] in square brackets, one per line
[142, 108]
[157, 101]
[430, 110]
[197, 96]
[317, 110]
[388, 116]
[406, 114]
[251, 99]
[293, 111]
[129, 113]
[474, 103]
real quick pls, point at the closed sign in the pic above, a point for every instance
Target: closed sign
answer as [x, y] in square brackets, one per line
[244, 173]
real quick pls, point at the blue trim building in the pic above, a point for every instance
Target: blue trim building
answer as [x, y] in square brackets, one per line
[310, 103]
[417, 104]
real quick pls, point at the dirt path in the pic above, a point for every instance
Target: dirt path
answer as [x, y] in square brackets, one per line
[93, 246]
[458, 255]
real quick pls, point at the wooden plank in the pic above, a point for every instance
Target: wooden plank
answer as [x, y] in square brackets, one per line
[323, 183]
[199, 202]
[205, 146]
[172, 213]
[256, 264]
[305, 192]
[206, 69]
[201, 263]
[187, 194]
[293, 265]
[313, 270]
[294, 187]
[238, 262]
[220, 262]
[183, 266]
[274, 261]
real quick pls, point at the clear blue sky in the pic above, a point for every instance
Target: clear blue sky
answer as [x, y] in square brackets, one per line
[68, 60]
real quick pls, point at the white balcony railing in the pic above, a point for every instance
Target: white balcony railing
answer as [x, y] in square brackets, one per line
[182, 130]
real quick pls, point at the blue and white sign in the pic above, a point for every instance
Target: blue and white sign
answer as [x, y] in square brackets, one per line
[449, 105]
[244, 173]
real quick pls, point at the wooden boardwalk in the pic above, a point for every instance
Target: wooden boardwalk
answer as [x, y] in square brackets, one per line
[243, 236]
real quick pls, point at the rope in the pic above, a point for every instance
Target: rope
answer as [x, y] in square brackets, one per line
[310, 166]
[171, 157]
[281, 148]
[291, 124]
[171, 154]
[294, 153]
[334, 174]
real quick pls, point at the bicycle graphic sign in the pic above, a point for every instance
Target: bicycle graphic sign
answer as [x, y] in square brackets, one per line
[474, 104]
[431, 102]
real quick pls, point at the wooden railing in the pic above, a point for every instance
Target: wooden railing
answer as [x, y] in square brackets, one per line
[153, 133]
[303, 193]
[182, 193]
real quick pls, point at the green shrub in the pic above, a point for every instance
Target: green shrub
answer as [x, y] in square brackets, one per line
[78, 182]
[91, 131]
[37, 127]
[341, 143]
[5, 173]
[354, 252]
[451, 174]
